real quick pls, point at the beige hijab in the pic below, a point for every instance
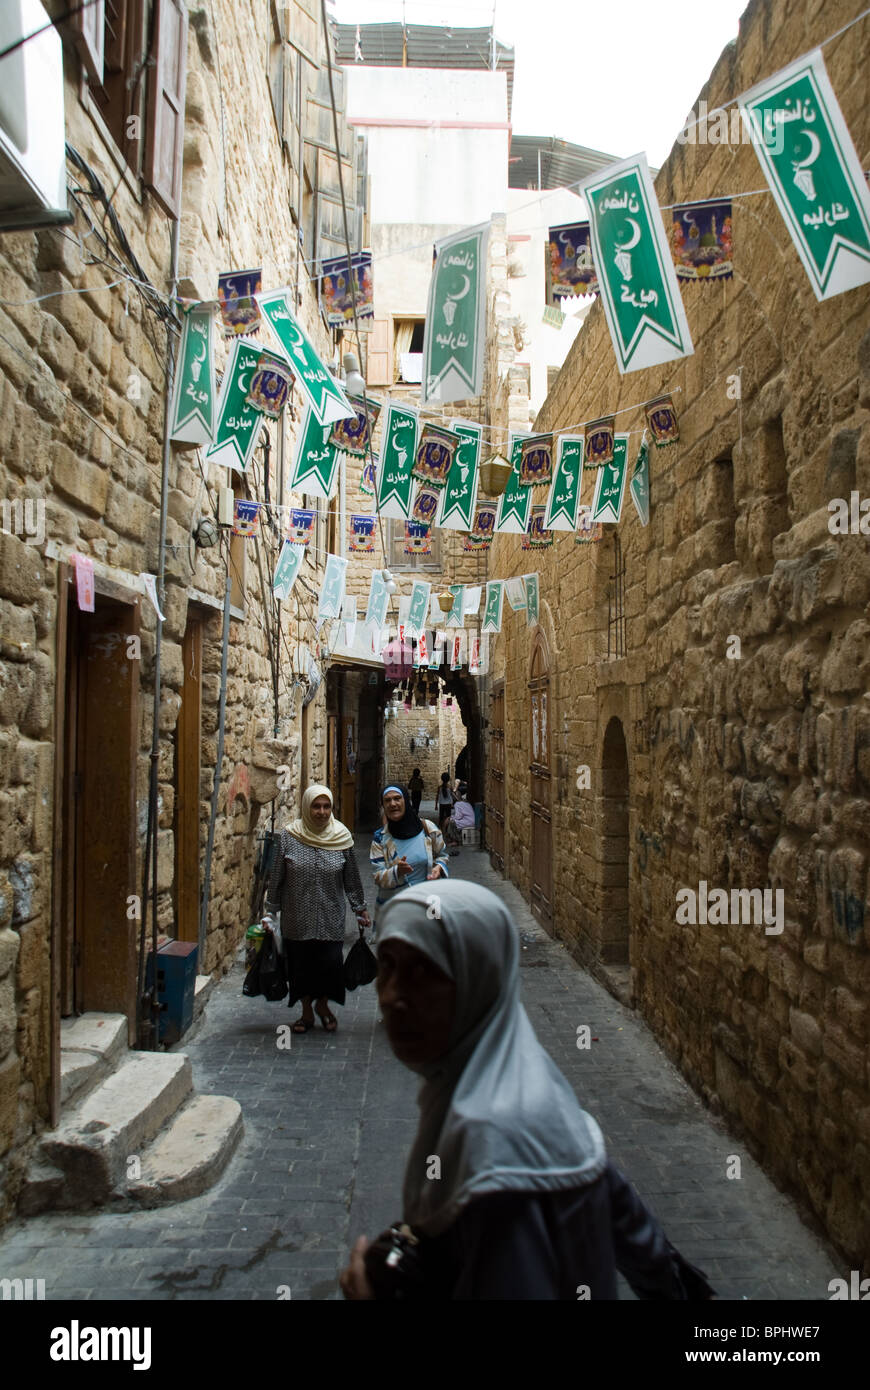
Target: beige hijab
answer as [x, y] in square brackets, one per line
[334, 835]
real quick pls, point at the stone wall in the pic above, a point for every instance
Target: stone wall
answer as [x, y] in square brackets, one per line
[746, 771]
[447, 737]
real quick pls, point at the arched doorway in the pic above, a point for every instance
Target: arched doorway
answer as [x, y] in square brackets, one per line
[614, 847]
[541, 873]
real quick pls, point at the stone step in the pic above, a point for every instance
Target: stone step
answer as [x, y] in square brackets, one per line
[188, 1156]
[202, 989]
[91, 1047]
[94, 1143]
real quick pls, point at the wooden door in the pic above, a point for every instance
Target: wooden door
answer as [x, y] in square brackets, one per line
[541, 788]
[495, 805]
[188, 740]
[333, 765]
[348, 772]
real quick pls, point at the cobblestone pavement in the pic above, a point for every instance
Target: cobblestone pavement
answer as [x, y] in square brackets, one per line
[327, 1126]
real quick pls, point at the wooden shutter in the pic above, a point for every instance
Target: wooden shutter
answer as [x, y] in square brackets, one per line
[164, 142]
[380, 364]
[88, 28]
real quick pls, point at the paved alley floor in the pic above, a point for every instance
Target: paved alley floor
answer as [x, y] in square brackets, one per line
[328, 1124]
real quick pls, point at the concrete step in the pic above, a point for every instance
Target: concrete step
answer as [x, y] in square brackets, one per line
[202, 989]
[188, 1156]
[94, 1143]
[91, 1047]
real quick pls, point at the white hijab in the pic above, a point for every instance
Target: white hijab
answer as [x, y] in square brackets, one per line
[495, 1109]
[334, 835]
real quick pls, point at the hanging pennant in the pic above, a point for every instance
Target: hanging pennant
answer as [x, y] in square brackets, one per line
[368, 477]
[336, 294]
[476, 544]
[599, 442]
[642, 301]
[809, 160]
[398, 448]
[192, 414]
[315, 466]
[662, 420]
[454, 337]
[361, 534]
[418, 538]
[418, 606]
[238, 424]
[434, 455]
[422, 650]
[425, 508]
[376, 611]
[564, 497]
[610, 484]
[588, 531]
[301, 527]
[456, 509]
[456, 656]
[494, 603]
[324, 394]
[83, 566]
[515, 590]
[332, 591]
[516, 500]
[474, 657]
[471, 599]
[287, 568]
[246, 517]
[348, 617]
[537, 537]
[570, 269]
[236, 295]
[536, 460]
[701, 240]
[639, 484]
[270, 385]
[483, 521]
[455, 617]
[354, 435]
[533, 602]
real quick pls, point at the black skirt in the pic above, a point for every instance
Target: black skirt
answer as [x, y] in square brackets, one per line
[315, 969]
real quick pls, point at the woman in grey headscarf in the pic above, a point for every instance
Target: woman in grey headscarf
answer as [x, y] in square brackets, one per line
[508, 1191]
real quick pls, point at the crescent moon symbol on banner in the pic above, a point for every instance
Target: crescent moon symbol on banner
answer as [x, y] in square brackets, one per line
[815, 150]
[463, 292]
[243, 385]
[635, 235]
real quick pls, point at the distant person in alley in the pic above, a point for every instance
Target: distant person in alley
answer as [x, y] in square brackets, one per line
[416, 788]
[444, 800]
[315, 871]
[508, 1190]
[407, 849]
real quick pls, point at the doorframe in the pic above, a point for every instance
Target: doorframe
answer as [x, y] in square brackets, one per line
[540, 644]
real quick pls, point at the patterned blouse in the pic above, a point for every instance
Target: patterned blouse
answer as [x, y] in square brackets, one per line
[385, 852]
[309, 886]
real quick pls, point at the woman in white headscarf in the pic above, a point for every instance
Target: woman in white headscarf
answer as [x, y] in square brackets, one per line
[508, 1190]
[315, 870]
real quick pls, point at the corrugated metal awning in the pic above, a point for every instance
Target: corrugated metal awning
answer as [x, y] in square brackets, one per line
[423, 46]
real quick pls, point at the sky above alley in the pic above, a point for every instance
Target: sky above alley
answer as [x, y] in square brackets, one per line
[619, 76]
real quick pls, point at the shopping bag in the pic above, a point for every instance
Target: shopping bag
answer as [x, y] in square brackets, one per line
[266, 975]
[360, 966]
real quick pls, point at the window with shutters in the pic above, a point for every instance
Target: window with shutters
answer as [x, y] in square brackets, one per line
[408, 350]
[110, 40]
[164, 135]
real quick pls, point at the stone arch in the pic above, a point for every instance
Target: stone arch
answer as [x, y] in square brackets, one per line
[615, 925]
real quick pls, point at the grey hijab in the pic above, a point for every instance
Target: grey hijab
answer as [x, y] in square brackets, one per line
[495, 1109]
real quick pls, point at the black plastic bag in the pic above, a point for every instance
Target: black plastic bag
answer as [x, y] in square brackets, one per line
[266, 976]
[360, 966]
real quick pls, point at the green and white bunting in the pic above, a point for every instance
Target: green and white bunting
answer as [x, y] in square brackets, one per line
[456, 616]
[315, 466]
[639, 485]
[376, 611]
[324, 394]
[515, 590]
[419, 606]
[287, 568]
[398, 450]
[453, 341]
[194, 392]
[494, 603]
[516, 501]
[459, 497]
[332, 590]
[808, 157]
[636, 276]
[610, 483]
[238, 425]
[533, 599]
[564, 496]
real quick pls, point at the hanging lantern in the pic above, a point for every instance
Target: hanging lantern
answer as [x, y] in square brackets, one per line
[494, 475]
[445, 600]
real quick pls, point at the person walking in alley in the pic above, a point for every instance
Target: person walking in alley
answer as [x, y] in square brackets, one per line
[407, 850]
[444, 801]
[416, 788]
[508, 1190]
[314, 871]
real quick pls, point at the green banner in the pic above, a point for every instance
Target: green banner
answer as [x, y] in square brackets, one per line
[194, 393]
[456, 616]
[515, 502]
[376, 612]
[808, 157]
[494, 602]
[639, 485]
[564, 496]
[324, 394]
[315, 466]
[458, 498]
[332, 589]
[398, 450]
[287, 568]
[238, 425]
[638, 284]
[453, 342]
[419, 607]
[533, 599]
[610, 483]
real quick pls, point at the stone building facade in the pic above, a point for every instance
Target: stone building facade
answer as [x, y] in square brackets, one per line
[740, 765]
[240, 170]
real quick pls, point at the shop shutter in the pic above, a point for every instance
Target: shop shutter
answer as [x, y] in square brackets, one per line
[165, 115]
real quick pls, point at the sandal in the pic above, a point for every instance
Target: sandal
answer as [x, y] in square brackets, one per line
[329, 1021]
[302, 1025]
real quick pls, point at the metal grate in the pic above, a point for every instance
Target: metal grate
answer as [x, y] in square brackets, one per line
[616, 604]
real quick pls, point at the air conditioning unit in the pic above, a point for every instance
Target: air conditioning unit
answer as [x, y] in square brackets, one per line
[32, 135]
